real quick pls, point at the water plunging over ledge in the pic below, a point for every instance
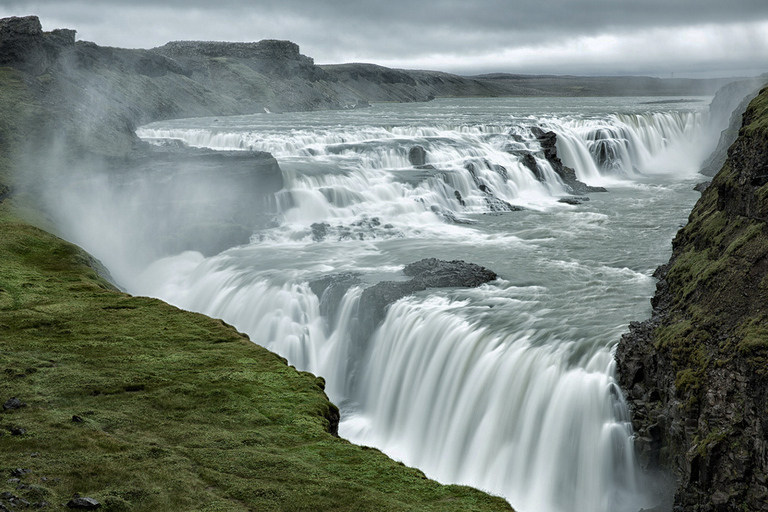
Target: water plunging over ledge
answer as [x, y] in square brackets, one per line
[508, 387]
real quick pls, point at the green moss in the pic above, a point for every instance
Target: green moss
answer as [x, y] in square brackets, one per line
[757, 116]
[706, 445]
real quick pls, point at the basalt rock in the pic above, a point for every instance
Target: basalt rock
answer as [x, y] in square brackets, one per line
[728, 106]
[695, 374]
[417, 155]
[427, 273]
[548, 141]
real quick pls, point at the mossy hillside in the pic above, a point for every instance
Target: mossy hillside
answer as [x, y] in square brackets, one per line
[146, 407]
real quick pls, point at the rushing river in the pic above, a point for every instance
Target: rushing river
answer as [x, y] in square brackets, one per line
[508, 387]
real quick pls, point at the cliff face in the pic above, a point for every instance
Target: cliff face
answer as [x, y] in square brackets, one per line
[696, 373]
[727, 109]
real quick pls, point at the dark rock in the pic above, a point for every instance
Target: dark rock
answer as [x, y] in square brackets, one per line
[435, 273]
[701, 187]
[331, 290]
[548, 141]
[17, 431]
[448, 215]
[417, 155]
[19, 472]
[13, 404]
[83, 504]
[427, 273]
[728, 106]
[459, 198]
[529, 161]
[77, 419]
[23, 45]
[319, 231]
[499, 205]
[569, 200]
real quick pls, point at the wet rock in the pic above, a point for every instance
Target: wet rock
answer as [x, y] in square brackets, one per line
[529, 161]
[701, 187]
[13, 404]
[569, 200]
[548, 141]
[319, 231]
[83, 504]
[435, 273]
[460, 199]
[495, 204]
[417, 155]
[331, 290]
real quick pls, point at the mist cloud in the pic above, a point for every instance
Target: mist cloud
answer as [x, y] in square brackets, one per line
[651, 37]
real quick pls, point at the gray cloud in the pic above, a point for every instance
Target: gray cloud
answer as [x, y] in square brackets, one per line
[559, 36]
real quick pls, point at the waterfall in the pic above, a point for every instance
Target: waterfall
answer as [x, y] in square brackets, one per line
[509, 387]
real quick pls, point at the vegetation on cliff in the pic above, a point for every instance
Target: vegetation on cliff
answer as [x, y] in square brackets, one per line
[696, 374]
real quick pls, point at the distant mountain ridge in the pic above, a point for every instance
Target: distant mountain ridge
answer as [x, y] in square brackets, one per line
[103, 93]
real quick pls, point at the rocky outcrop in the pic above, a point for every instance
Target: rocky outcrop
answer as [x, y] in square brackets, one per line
[374, 301]
[548, 141]
[696, 373]
[727, 109]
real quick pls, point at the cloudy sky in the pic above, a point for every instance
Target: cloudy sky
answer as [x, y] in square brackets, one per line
[693, 38]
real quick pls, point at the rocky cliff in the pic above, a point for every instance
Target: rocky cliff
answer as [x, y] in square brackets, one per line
[727, 109]
[696, 373]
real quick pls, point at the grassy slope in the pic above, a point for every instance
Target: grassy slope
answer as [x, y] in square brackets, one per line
[180, 412]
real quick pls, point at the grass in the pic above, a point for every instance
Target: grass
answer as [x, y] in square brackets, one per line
[145, 407]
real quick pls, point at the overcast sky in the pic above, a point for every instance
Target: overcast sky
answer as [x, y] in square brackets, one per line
[692, 38]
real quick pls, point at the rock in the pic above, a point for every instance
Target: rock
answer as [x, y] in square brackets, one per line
[417, 155]
[548, 141]
[19, 472]
[499, 205]
[529, 161]
[17, 431]
[319, 231]
[701, 187]
[457, 194]
[569, 200]
[13, 404]
[331, 290]
[77, 419]
[434, 273]
[83, 504]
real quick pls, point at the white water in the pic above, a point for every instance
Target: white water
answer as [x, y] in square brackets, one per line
[509, 387]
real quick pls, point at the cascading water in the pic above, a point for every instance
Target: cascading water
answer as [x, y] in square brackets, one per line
[508, 387]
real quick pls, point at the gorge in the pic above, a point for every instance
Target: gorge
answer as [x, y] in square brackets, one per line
[355, 208]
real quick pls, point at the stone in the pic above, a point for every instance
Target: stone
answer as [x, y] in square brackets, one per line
[13, 404]
[417, 155]
[84, 504]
